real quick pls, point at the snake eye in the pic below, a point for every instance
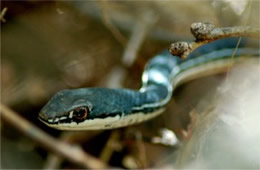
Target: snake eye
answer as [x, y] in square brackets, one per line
[80, 113]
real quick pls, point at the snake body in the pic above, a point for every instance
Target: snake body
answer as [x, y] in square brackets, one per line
[103, 108]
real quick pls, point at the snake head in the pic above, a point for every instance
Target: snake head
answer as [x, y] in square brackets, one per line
[84, 109]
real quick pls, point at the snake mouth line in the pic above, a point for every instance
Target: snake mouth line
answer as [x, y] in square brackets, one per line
[53, 121]
[43, 120]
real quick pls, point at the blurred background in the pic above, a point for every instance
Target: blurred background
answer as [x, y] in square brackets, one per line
[47, 46]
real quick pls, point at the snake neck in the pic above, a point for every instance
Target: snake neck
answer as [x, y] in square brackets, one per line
[165, 72]
[157, 80]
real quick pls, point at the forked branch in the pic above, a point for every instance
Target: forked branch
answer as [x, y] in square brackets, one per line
[207, 32]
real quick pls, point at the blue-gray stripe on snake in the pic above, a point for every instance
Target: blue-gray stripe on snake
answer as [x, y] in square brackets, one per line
[103, 108]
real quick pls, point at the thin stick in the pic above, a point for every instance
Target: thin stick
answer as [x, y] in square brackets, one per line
[134, 44]
[239, 41]
[141, 150]
[206, 33]
[137, 37]
[53, 160]
[72, 153]
[107, 21]
[2, 14]
[109, 148]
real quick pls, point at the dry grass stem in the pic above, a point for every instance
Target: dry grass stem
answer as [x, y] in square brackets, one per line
[107, 21]
[137, 37]
[2, 14]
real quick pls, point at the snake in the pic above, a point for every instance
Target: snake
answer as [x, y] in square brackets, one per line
[97, 108]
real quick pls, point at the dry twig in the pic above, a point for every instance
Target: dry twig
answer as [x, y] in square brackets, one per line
[2, 14]
[206, 33]
[72, 153]
[53, 160]
[137, 37]
[107, 21]
[110, 146]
